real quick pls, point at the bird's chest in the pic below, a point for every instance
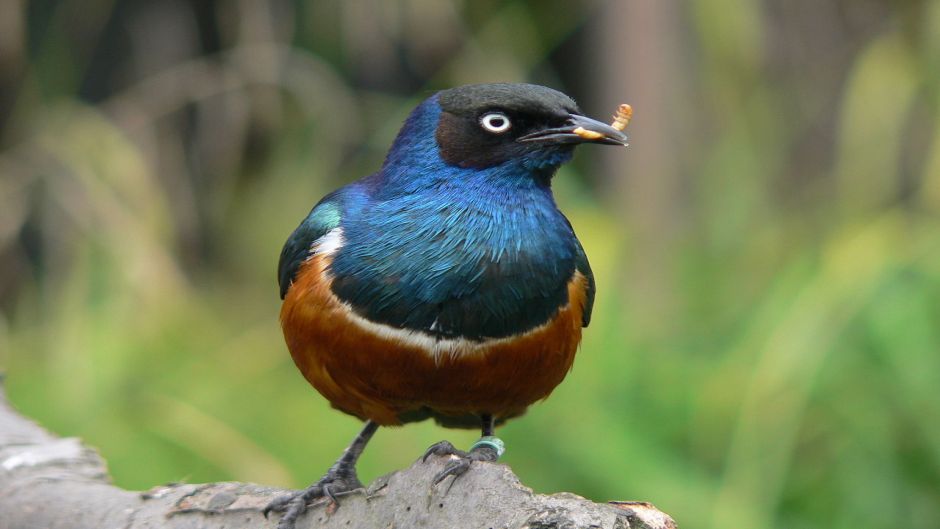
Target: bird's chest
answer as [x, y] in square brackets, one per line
[455, 267]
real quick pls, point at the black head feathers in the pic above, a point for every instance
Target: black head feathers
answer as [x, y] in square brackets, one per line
[485, 125]
[521, 98]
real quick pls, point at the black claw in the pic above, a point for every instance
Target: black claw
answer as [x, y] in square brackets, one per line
[340, 479]
[278, 504]
[460, 465]
[333, 484]
[443, 448]
[328, 492]
[455, 468]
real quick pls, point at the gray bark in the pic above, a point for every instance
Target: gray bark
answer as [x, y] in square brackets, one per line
[47, 482]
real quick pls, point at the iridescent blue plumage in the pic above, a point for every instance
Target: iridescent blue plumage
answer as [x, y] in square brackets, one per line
[448, 250]
[447, 285]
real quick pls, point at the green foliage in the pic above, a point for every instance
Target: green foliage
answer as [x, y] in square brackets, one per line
[782, 372]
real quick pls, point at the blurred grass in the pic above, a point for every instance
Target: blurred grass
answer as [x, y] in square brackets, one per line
[791, 382]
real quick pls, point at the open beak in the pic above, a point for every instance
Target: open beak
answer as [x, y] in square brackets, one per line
[579, 129]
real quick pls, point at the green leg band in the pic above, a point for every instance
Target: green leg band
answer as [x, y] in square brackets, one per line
[493, 442]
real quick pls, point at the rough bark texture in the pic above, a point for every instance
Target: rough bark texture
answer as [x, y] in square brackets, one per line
[54, 483]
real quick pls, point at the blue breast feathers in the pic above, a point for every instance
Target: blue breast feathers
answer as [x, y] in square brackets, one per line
[444, 250]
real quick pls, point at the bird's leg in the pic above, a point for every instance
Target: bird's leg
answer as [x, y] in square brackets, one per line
[488, 448]
[340, 478]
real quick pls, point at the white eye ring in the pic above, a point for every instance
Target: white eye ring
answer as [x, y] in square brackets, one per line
[496, 122]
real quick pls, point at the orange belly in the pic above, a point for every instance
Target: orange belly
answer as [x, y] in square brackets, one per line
[377, 372]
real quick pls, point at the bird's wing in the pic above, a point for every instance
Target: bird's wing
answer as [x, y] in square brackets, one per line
[582, 265]
[322, 218]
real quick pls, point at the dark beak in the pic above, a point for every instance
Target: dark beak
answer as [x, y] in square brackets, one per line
[579, 129]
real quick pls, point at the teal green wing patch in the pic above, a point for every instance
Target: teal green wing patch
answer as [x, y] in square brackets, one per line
[322, 218]
[582, 265]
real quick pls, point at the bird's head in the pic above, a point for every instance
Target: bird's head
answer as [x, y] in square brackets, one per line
[498, 125]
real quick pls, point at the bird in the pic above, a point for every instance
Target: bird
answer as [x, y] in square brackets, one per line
[447, 285]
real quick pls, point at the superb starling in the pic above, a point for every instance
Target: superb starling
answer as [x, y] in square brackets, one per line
[447, 285]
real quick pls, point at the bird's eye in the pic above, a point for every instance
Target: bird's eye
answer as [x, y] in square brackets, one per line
[495, 122]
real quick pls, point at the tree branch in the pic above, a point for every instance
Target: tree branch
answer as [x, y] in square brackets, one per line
[58, 483]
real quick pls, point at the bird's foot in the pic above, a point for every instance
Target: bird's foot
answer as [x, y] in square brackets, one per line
[488, 448]
[336, 482]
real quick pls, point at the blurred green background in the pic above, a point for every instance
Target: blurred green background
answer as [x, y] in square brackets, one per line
[765, 351]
